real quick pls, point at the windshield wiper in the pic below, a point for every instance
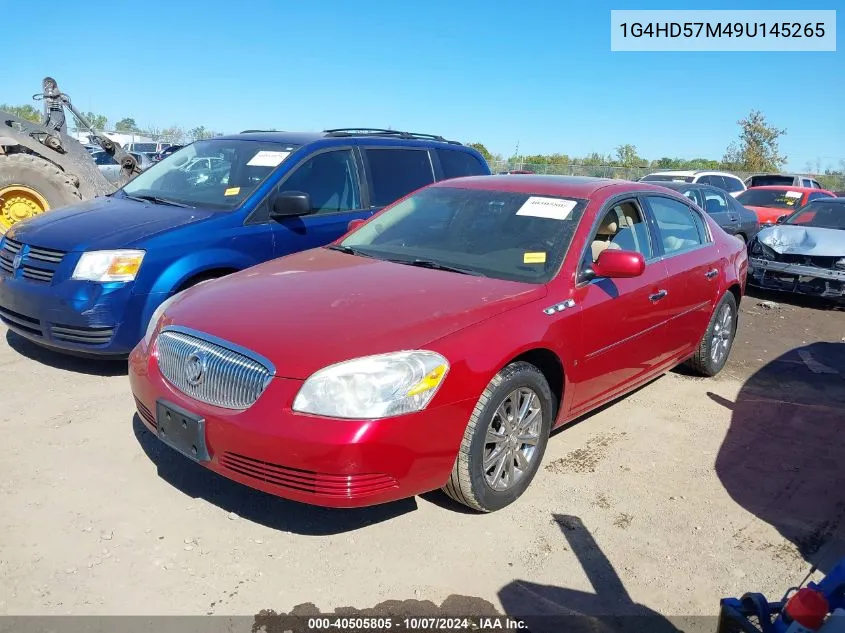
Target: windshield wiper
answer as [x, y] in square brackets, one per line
[159, 200]
[348, 250]
[427, 263]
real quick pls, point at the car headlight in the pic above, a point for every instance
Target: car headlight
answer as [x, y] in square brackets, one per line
[377, 386]
[105, 266]
[159, 312]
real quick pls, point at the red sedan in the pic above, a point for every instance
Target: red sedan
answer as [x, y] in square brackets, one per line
[438, 344]
[772, 202]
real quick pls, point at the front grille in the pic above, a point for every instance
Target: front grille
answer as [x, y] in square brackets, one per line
[227, 377]
[84, 335]
[33, 262]
[21, 322]
[319, 484]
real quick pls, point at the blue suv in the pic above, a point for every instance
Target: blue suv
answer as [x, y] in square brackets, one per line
[86, 279]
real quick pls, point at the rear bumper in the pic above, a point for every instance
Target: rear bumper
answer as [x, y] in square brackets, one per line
[312, 459]
[797, 278]
[75, 317]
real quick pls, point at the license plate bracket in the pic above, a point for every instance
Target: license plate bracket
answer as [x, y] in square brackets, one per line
[182, 430]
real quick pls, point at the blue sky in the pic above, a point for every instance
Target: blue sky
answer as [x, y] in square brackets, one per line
[541, 74]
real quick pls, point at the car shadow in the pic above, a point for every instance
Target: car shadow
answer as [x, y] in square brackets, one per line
[781, 458]
[797, 300]
[608, 608]
[56, 360]
[278, 514]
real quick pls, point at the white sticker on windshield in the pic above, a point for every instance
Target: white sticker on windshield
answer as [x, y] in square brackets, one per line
[551, 208]
[793, 194]
[268, 159]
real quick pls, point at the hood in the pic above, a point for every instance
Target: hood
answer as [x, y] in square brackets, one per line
[319, 307]
[768, 214]
[804, 240]
[103, 223]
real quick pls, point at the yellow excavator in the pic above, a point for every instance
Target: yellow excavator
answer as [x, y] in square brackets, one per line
[43, 168]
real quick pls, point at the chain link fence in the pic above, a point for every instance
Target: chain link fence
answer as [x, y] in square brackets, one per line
[834, 182]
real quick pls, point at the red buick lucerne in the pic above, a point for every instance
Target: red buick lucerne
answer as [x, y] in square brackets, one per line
[439, 343]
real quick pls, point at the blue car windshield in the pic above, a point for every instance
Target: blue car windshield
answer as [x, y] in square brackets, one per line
[216, 174]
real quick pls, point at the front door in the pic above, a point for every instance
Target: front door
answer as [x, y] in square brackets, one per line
[720, 209]
[332, 180]
[624, 321]
[692, 264]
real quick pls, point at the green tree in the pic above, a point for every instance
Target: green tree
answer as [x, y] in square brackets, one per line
[757, 146]
[98, 121]
[126, 125]
[199, 133]
[27, 112]
[479, 147]
[626, 156]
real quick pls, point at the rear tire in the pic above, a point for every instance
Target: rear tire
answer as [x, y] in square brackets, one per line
[19, 172]
[716, 344]
[502, 447]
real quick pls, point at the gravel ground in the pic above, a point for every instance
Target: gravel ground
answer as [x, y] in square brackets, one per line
[684, 492]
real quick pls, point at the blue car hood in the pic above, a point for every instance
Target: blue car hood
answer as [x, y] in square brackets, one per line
[103, 223]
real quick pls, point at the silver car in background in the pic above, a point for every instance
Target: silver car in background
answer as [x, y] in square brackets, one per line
[804, 252]
[734, 218]
[110, 168]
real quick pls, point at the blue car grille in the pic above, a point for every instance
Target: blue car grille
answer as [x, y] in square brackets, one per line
[212, 371]
[37, 264]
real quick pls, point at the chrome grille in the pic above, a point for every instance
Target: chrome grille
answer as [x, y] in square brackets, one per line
[32, 257]
[231, 377]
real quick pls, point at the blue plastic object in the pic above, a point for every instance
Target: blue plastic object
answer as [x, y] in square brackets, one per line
[753, 613]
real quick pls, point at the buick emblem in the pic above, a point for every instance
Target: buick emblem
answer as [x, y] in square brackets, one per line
[16, 262]
[195, 368]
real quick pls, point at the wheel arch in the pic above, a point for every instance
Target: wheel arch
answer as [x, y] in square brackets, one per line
[551, 366]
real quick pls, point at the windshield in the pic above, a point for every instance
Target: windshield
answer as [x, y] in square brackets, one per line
[499, 234]
[143, 147]
[771, 198]
[820, 214]
[214, 174]
[666, 178]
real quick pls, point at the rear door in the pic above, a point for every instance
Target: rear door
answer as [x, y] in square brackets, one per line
[625, 331]
[718, 207]
[691, 258]
[394, 172]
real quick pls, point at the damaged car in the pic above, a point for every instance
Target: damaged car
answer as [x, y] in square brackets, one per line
[804, 252]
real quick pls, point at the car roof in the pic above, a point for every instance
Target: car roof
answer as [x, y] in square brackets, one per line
[389, 137]
[571, 186]
[674, 184]
[689, 172]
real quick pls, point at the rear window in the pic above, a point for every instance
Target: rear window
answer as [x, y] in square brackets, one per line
[771, 198]
[394, 173]
[666, 178]
[770, 181]
[456, 164]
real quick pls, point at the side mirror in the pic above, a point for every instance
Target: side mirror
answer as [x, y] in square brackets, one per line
[288, 204]
[354, 224]
[782, 219]
[615, 264]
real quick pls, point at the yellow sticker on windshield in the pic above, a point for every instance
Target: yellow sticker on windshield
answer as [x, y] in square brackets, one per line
[534, 258]
[232, 191]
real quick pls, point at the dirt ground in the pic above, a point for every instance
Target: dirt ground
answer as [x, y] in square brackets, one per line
[687, 491]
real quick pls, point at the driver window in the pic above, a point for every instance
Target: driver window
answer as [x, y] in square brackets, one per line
[621, 228]
[330, 179]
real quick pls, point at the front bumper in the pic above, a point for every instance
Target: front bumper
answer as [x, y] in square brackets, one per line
[311, 459]
[76, 317]
[797, 278]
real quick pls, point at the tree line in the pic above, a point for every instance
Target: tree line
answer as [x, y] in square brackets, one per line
[126, 125]
[755, 150]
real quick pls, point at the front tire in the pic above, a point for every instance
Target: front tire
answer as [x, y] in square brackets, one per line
[715, 347]
[504, 441]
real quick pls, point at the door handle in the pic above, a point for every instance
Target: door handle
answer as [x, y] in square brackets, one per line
[657, 296]
[711, 273]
